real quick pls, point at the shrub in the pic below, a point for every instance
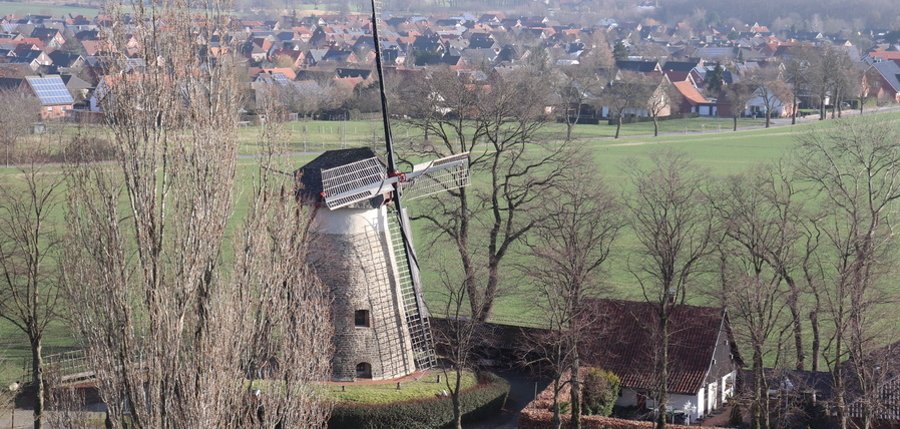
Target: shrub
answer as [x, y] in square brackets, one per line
[478, 403]
[600, 391]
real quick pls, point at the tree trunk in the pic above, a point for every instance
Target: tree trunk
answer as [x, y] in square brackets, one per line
[576, 389]
[655, 127]
[793, 306]
[493, 282]
[556, 421]
[735, 122]
[822, 109]
[794, 113]
[457, 407]
[37, 380]
[816, 341]
[663, 371]
[618, 125]
[768, 117]
[755, 413]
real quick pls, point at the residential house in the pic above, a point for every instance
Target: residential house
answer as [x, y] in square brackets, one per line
[55, 99]
[703, 356]
[77, 87]
[888, 86]
[51, 37]
[781, 102]
[692, 101]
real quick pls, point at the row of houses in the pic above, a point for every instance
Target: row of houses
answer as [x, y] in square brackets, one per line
[301, 54]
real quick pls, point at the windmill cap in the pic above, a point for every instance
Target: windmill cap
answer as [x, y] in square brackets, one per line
[309, 177]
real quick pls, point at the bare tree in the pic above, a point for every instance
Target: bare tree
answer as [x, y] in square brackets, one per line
[771, 90]
[571, 247]
[628, 95]
[868, 84]
[675, 229]
[18, 113]
[498, 124]
[754, 293]
[660, 102]
[855, 170]
[737, 96]
[458, 337]
[575, 88]
[177, 328]
[29, 273]
[796, 75]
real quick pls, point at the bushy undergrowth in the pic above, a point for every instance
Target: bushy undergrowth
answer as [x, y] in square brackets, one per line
[479, 402]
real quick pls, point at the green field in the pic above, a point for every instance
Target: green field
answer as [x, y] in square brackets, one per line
[721, 153]
[425, 387]
[38, 8]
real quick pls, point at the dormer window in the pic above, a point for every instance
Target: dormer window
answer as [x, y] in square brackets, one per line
[361, 318]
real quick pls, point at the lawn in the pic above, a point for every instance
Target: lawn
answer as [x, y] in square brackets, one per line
[425, 387]
[720, 153]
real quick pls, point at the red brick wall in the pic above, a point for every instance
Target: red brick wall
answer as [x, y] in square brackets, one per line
[55, 112]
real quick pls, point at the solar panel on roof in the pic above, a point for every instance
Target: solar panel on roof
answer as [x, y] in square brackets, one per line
[280, 78]
[50, 90]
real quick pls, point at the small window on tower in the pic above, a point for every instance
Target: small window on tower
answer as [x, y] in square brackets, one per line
[362, 318]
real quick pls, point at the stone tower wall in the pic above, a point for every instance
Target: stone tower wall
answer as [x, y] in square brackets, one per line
[352, 256]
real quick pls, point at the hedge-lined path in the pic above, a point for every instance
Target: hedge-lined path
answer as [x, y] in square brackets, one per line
[522, 388]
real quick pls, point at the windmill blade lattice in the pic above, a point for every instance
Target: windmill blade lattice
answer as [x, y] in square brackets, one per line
[441, 175]
[352, 183]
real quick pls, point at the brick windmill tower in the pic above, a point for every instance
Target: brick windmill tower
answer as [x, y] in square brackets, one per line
[364, 251]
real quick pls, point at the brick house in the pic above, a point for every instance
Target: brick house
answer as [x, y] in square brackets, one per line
[55, 99]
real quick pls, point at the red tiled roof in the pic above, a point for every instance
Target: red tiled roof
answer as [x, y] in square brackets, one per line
[886, 55]
[624, 343]
[690, 93]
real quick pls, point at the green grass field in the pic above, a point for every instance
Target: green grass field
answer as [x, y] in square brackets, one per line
[721, 153]
[39, 8]
[424, 388]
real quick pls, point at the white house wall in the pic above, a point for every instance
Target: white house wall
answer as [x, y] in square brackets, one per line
[759, 103]
[628, 398]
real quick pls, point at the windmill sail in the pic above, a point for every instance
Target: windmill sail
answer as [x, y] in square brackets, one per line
[354, 182]
[441, 175]
[416, 313]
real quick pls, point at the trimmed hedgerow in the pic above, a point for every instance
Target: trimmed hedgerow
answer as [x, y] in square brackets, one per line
[479, 402]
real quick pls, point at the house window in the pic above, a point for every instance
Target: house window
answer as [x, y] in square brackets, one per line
[363, 370]
[361, 318]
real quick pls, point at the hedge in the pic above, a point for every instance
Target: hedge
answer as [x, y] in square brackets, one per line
[479, 402]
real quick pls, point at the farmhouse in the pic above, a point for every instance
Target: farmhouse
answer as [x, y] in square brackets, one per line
[703, 357]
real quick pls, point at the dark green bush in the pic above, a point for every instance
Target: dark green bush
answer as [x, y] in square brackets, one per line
[600, 391]
[480, 402]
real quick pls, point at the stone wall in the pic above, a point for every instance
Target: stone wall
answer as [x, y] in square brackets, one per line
[357, 268]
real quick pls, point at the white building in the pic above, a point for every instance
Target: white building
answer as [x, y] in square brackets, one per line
[703, 356]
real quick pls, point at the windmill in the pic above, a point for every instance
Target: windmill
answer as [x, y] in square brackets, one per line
[365, 252]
